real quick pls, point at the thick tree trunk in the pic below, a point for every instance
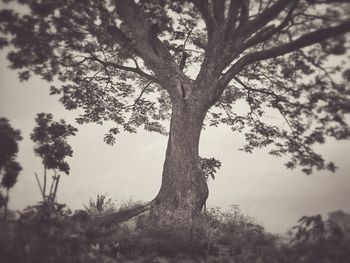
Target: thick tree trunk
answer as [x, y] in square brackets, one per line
[183, 184]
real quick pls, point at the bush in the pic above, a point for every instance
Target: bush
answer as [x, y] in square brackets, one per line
[52, 234]
[213, 236]
[45, 234]
[316, 240]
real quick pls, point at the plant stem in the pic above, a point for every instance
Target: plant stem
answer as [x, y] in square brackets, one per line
[56, 186]
[41, 189]
[44, 186]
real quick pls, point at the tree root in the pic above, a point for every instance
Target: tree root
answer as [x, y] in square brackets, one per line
[121, 216]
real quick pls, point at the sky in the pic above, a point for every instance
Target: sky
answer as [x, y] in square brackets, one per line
[258, 183]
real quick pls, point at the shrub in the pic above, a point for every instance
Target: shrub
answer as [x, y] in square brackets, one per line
[44, 234]
[316, 240]
[101, 205]
[213, 236]
[51, 234]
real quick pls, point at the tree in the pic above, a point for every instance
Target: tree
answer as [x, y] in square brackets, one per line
[52, 147]
[140, 63]
[9, 168]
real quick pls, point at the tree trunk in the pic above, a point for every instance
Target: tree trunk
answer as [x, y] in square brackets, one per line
[6, 204]
[183, 183]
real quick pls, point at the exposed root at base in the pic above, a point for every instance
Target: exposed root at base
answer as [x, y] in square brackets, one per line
[121, 216]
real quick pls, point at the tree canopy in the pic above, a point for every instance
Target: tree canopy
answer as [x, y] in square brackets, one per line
[128, 62]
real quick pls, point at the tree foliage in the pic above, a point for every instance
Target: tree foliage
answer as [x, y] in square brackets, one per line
[9, 178]
[9, 138]
[51, 141]
[52, 147]
[210, 167]
[317, 240]
[249, 60]
[9, 167]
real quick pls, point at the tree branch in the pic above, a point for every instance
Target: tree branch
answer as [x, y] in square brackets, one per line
[119, 34]
[136, 70]
[270, 94]
[184, 53]
[328, 1]
[244, 15]
[219, 11]
[202, 7]
[265, 17]
[147, 45]
[232, 17]
[237, 44]
[39, 184]
[140, 96]
[264, 35]
[303, 41]
[318, 66]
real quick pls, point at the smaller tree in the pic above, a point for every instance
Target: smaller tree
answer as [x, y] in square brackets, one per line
[52, 147]
[9, 168]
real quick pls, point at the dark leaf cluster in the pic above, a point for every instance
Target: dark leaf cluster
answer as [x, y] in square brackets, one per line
[51, 141]
[9, 167]
[210, 166]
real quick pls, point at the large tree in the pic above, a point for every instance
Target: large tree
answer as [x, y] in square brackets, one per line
[236, 62]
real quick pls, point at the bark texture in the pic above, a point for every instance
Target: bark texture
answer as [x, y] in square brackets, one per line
[183, 184]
